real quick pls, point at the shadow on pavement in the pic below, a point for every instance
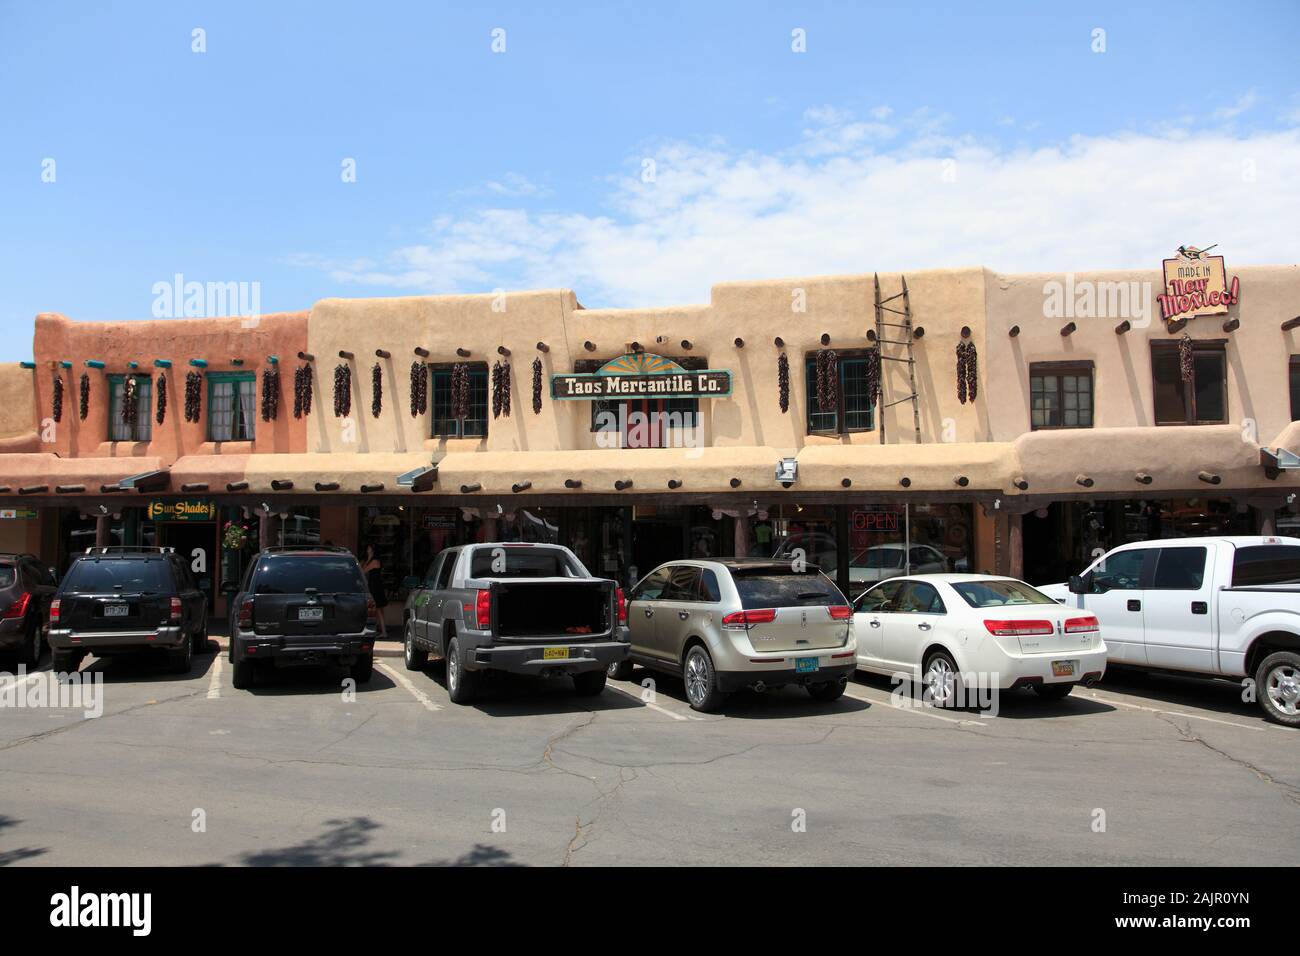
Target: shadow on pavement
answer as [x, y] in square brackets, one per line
[788, 701]
[10, 857]
[1017, 704]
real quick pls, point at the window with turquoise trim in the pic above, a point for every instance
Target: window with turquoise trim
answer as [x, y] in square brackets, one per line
[232, 406]
[119, 430]
[854, 410]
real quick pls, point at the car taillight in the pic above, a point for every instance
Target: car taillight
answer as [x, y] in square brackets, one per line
[176, 609]
[54, 611]
[840, 612]
[1075, 625]
[246, 613]
[762, 615]
[483, 610]
[19, 607]
[622, 607]
[1019, 628]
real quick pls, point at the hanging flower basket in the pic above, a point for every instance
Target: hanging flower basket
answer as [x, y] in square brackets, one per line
[234, 536]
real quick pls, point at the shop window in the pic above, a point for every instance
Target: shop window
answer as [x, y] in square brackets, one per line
[854, 411]
[1201, 401]
[1060, 394]
[475, 422]
[1295, 388]
[232, 406]
[119, 430]
[649, 429]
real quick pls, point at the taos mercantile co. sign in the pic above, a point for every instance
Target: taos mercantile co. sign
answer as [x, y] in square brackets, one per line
[641, 375]
[186, 510]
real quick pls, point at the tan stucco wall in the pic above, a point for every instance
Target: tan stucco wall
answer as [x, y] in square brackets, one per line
[17, 403]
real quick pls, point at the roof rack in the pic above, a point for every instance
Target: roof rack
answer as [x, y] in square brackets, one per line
[290, 548]
[129, 549]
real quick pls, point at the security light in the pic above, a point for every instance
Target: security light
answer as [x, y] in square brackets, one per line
[787, 470]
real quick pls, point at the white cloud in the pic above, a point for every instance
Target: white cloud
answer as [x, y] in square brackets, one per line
[1244, 103]
[834, 203]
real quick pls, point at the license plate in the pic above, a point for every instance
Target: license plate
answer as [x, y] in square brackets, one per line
[806, 665]
[555, 653]
[311, 614]
[116, 610]
[1062, 668]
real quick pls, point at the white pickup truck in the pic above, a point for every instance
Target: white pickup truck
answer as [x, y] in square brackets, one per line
[1221, 607]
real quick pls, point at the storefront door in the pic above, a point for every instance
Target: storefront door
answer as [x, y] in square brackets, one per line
[195, 543]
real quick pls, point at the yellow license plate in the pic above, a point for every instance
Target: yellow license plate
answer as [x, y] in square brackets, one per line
[1062, 668]
[555, 653]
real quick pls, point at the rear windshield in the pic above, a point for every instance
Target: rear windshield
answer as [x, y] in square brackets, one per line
[507, 562]
[1266, 564]
[125, 574]
[999, 593]
[328, 574]
[787, 590]
[7, 573]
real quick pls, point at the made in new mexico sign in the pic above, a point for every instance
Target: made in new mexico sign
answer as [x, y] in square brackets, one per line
[642, 375]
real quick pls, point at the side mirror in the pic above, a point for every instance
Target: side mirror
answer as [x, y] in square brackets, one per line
[410, 582]
[1076, 584]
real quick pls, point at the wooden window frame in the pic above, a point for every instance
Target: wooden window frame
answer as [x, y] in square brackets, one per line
[239, 379]
[445, 368]
[144, 414]
[1216, 346]
[810, 393]
[1061, 369]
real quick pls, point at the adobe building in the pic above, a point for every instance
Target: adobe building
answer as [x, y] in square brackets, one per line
[948, 419]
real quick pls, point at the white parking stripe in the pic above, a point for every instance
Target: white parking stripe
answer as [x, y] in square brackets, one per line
[923, 709]
[1108, 699]
[419, 695]
[214, 681]
[654, 707]
[14, 683]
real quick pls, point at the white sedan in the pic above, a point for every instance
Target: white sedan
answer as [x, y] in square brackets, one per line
[948, 631]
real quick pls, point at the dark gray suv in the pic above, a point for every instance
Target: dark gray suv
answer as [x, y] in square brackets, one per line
[26, 589]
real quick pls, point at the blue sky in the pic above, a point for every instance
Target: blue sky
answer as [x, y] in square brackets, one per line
[906, 136]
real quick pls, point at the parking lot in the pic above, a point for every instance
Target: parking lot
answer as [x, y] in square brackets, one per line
[187, 770]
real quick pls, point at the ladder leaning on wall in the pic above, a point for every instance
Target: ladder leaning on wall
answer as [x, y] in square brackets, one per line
[907, 332]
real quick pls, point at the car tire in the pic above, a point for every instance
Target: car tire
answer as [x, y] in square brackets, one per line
[1053, 691]
[180, 660]
[462, 684]
[940, 666]
[30, 654]
[363, 668]
[828, 691]
[620, 670]
[1277, 687]
[66, 662]
[589, 683]
[243, 674]
[701, 680]
[415, 658]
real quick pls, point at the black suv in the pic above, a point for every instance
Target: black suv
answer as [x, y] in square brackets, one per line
[26, 588]
[302, 605]
[128, 600]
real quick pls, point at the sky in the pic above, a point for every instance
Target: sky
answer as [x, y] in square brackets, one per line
[634, 152]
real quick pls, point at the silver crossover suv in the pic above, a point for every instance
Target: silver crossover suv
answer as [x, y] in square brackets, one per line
[727, 624]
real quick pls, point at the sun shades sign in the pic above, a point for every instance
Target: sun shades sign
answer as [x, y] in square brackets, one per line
[641, 375]
[191, 509]
[1196, 284]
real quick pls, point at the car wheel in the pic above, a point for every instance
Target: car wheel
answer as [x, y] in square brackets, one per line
[589, 683]
[179, 660]
[940, 680]
[31, 651]
[620, 670]
[1277, 685]
[1053, 691]
[414, 657]
[462, 684]
[66, 662]
[242, 674]
[363, 668]
[828, 690]
[701, 681]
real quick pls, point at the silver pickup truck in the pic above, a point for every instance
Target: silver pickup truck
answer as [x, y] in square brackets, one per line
[518, 607]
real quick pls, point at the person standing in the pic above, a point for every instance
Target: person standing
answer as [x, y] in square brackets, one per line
[374, 572]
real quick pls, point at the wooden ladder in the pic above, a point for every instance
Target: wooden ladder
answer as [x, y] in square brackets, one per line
[883, 306]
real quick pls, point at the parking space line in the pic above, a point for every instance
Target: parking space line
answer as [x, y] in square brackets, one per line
[922, 709]
[13, 683]
[214, 681]
[1180, 713]
[654, 707]
[419, 695]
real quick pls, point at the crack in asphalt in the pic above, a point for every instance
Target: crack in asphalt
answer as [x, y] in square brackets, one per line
[55, 731]
[1289, 791]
